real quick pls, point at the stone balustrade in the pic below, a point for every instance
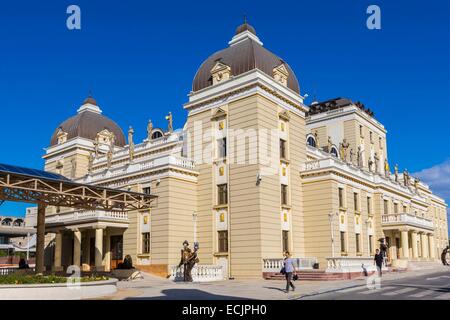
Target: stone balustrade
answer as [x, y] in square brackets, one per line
[200, 273]
[275, 265]
[83, 215]
[406, 219]
[350, 264]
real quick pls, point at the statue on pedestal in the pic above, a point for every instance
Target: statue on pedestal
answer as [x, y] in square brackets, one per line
[316, 136]
[406, 177]
[130, 143]
[359, 157]
[96, 148]
[90, 161]
[188, 259]
[345, 146]
[396, 172]
[329, 144]
[376, 161]
[149, 130]
[387, 170]
[169, 122]
[351, 156]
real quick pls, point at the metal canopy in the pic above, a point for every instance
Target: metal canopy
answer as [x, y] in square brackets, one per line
[51, 189]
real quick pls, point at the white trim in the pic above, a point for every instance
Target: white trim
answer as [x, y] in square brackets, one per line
[244, 36]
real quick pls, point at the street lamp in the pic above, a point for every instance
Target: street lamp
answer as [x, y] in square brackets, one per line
[331, 216]
[194, 219]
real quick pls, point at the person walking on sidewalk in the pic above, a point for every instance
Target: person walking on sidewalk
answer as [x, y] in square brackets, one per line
[289, 270]
[378, 259]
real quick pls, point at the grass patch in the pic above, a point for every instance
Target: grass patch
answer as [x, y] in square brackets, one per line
[38, 279]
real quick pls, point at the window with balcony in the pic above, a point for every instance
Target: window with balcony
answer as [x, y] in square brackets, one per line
[284, 194]
[341, 197]
[146, 242]
[222, 194]
[222, 237]
[146, 190]
[283, 154]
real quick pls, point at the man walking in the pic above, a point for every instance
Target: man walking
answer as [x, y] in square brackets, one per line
[289, 270]
[378, 259]
[444, 256]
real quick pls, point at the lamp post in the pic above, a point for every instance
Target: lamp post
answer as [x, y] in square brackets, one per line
[368, 237]
[194, 219]
[331, 217]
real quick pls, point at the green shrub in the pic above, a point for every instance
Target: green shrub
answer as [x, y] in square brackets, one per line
[38, 279]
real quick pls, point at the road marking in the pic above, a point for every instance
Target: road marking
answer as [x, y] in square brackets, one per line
[370, 291]
[350, 289]
[422, 294]
[397, 292]
[444, 296]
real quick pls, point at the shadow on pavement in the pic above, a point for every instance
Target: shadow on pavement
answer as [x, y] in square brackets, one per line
[187, 294]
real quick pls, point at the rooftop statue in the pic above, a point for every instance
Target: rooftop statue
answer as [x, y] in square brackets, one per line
[149, 130]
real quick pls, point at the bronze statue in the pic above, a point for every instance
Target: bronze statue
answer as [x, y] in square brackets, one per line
[188, 260]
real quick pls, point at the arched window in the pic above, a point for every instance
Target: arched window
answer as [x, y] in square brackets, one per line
[6, 222]
[311, 141]
[18, 223]
[156, 135]
[334, 151]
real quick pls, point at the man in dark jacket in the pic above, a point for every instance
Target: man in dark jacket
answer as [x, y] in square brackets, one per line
[378, 259]
[444, 256]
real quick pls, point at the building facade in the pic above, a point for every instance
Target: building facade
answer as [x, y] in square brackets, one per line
[253, 172]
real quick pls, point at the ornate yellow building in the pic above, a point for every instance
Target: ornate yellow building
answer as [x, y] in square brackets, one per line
[253, 172]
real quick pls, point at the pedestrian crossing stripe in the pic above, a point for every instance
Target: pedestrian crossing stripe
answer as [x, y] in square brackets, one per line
[370, 291]
[401, 291]
[422, 294]
[444, 296]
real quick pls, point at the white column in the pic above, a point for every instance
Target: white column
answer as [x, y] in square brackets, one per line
[431, 246]
[99, 249]
[77, 247]
[107, 256]
[424, 241]
[415, 250]
[58, 252]
[405, 246]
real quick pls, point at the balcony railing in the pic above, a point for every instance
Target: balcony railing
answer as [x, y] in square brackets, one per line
[200, 273]
[406, 218]
[275, 265]
[81, 215]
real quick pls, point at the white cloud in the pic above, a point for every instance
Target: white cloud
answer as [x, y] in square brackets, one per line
[438, 178]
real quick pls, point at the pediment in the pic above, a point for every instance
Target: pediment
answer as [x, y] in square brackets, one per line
[219, 113]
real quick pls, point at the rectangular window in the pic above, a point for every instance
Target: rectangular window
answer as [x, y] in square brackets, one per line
[222, 194]
[222, 147]
[223, 241]
[386, 207]
[285, 240]
[369, 205]
[361, 130]
[358, 243]
[341, 197]
[146, 242]
[370, 244]
[395, 207]
[404, 209]
[343, 247]
[380, 143]
[146, 190]
[284, 194]
[282, 149]
[355, 201]
[371, 137]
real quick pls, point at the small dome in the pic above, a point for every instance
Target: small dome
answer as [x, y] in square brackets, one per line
[245, 27]
[87, 123]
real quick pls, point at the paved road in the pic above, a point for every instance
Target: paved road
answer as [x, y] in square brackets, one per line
[432, 286]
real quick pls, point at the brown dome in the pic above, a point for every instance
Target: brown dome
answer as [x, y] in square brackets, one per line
[241, 57]
[87, 124]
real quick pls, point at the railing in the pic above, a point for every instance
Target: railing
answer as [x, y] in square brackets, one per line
[350, 264]
[4, 271]
[406, 218]
[80, 215]
[200, 273]
[275, 265]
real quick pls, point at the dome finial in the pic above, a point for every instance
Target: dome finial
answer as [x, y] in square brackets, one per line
[245, 18]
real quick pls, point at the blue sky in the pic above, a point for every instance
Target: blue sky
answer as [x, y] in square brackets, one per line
[139, 58]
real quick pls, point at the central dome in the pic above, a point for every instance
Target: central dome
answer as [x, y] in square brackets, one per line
[245, 53]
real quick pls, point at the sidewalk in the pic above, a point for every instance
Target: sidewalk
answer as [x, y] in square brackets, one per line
[152, 287]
